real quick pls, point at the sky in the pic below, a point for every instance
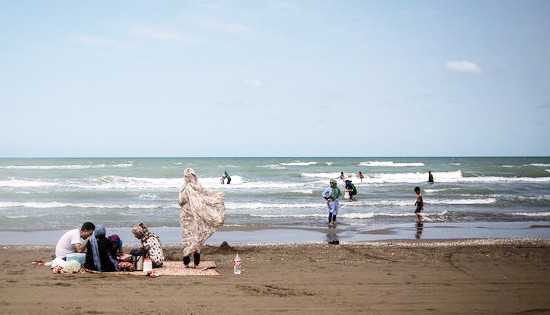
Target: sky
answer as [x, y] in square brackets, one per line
[274, 78]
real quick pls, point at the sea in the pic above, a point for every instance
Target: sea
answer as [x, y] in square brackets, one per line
[57, 194]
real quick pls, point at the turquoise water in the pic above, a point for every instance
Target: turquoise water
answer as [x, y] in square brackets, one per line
[58, 194]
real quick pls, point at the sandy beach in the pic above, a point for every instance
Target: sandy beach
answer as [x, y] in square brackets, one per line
[479, 276]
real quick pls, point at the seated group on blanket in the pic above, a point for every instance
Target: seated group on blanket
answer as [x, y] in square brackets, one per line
[105, 254]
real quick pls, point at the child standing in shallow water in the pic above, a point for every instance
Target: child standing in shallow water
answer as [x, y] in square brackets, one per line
[419, 204]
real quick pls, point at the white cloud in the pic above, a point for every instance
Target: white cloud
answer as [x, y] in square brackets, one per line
[463, 66]
[154, 32]
[95, 41]
[255, 82]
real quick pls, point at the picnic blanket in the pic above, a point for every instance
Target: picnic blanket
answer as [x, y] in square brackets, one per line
[172, 268]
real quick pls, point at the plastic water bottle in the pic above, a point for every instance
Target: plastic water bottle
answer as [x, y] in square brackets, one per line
[237, 264]
[147, 266]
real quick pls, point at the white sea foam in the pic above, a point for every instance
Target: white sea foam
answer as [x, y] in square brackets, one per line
[369, 215]
[376, 203]
[495, 179]
[65, 167]
[123, 183]
[389, 164]
[483, 201]
[55, 205]
[539, 164]
[259, 186]
[145, 183]
[26, 183]
[305, 191]
[321, 175]
[347, 215]
[273, 166]
[260, 205]
[293, 215]
[431, 191]
[420, 177]
[533, 214]
[148, 196]
[535, 198]
[299, 163]
[128, 183]
[408, 203]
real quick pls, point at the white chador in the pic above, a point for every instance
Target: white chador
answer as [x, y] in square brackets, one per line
[202, 212]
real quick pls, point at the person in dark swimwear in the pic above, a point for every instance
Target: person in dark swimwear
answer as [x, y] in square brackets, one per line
[419, 204]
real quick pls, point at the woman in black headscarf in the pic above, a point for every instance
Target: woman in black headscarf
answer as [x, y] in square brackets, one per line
[97, 251]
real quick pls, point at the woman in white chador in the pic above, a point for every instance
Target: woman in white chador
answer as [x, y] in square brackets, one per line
[202, 212]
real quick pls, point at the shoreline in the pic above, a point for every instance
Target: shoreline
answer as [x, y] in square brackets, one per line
[466, 276]
[400, 243]
[251, 234]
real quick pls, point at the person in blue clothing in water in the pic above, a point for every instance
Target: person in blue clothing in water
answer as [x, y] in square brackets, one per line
[331, 194]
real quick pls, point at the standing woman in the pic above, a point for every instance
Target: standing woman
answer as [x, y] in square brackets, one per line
[202, 212]
[331, 194]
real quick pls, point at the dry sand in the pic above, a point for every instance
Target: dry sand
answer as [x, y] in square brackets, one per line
[502, 276]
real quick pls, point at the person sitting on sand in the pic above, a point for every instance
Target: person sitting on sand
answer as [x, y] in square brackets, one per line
[202, 212]
[419, 204]
[115, 250]
[151, 243]
[71, 242]
[116, 246]
[97, 252]
[331, 194]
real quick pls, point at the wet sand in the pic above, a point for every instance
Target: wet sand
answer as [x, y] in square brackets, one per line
[481, 276]
[268, 234]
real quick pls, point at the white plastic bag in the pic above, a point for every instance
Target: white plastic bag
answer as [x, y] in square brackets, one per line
[58, 262]
[72, 266]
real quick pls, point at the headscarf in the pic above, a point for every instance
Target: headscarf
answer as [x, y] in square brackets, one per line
[98, 232]
[336, 193]
[140, 230]
[115, 239]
